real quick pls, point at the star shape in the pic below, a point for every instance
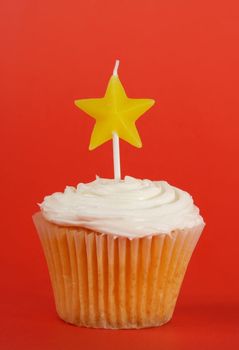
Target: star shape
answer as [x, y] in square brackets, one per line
[114, 113]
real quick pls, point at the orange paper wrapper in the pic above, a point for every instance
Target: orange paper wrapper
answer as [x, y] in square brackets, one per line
[106, 281]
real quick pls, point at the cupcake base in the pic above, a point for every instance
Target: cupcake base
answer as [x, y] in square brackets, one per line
[105, 281]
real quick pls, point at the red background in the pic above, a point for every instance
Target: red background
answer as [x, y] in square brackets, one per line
[184, 54]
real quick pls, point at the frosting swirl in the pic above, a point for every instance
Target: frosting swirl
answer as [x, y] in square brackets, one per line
[129, 207]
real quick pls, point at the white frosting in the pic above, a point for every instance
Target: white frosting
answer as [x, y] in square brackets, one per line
[129, 207]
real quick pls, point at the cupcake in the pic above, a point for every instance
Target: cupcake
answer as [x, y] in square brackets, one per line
[117, 250]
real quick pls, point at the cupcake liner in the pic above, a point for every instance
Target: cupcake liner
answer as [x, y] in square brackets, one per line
[107, 281]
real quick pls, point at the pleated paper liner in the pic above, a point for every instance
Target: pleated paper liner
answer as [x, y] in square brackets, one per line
[105, 281]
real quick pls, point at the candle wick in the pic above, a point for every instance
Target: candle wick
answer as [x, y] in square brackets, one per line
[115, 71]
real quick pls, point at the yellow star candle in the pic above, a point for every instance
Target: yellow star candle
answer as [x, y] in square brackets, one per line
[115, 115]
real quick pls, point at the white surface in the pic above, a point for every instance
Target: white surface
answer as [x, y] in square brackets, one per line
[129, 207]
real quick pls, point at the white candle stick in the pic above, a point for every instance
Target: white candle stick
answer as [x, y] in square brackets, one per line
[116, 156]
[116, 148]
